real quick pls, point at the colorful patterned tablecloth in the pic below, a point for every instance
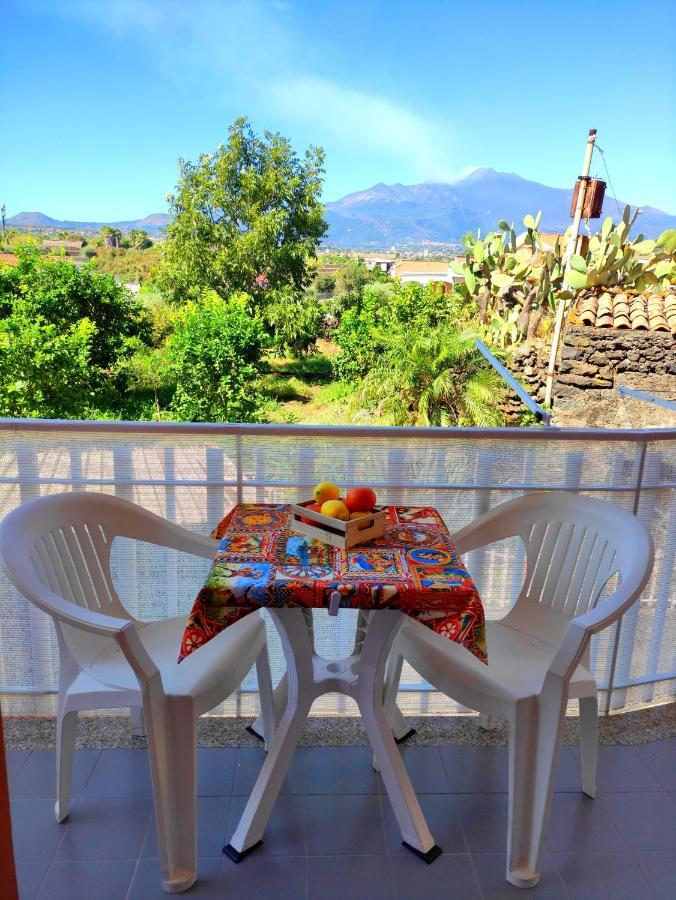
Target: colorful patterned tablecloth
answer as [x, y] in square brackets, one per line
[261, 562]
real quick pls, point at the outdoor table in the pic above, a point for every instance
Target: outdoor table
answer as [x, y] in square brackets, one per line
[414, 569]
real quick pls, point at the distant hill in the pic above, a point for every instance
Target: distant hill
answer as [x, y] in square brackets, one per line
[153, 223]
[411, 215]
[399, 214]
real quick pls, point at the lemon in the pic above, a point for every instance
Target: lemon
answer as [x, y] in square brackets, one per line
[325, 490]
[336, 509]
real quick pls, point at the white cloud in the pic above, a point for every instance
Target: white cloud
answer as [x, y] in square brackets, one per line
[246, 49]
[359, 120]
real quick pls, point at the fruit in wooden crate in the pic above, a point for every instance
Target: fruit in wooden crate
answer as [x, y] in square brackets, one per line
[360, 499]
[336, 509]
[315, 507]
[324, 491]
[358, 515]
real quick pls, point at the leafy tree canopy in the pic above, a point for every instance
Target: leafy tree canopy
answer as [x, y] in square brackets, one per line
[245, 218]
[61, 294]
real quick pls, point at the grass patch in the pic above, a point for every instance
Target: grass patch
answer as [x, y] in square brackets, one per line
[282, 389]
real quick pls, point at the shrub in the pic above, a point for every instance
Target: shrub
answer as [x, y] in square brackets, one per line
[293, 320]
[45, 371]
[215, 351]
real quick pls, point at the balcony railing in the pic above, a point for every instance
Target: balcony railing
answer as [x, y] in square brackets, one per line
[192, 474]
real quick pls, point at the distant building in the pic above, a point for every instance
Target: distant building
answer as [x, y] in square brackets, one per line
[382, 261]
[9, 259]
[71, 247]
[425, 272]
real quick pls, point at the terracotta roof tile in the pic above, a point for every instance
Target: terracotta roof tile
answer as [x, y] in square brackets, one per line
[651, 311]
[9, 259]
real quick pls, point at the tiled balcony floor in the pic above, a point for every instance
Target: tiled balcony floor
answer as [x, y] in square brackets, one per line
[333, 834]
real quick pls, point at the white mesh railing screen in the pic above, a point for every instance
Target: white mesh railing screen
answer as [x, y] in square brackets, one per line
[193, 476]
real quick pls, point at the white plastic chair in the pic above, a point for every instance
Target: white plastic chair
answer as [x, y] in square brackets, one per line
[56, 550]
[538, 654]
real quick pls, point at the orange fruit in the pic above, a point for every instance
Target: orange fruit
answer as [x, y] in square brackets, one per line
[360, 499]
[315, 507]
[336, 509]
[324, 491]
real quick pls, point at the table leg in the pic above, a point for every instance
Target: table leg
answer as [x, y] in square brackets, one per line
[298, 649]
[381, 632]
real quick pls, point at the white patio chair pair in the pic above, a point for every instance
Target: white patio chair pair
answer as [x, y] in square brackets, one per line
[56, 550]
[538, 654]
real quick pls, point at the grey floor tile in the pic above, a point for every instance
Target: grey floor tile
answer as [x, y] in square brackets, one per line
[623, 769]
[249, 762]
[441, 813]
[568, 772]
[106, 828]
[450, 876]
[337, 825]
[659, 868]
[37, 777]
[340, 770]
[265, 878]
[664, 749]
[426, 770]
[14, 760]
[645, 821]
[147, 881]
[35, 831]
[216, 771]
[120, 773]
[286, 831]
[660, 758]
[350, 878]
[602, 876]
[86, 879]
[484, 821]
[579, 823]
[476, 770]
[29, 877]
[491, 870]
[212, 824]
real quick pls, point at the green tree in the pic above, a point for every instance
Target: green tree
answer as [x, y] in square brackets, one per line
[438, 378]
[245, 218]
[45, 372]
[293, 319]
[215, 351]
[139, 239]
[112, 237]
[62, 294]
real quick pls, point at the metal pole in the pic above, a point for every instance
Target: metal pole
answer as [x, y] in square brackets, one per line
[570, 249]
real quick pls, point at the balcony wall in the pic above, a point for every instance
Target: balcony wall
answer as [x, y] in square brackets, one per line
[192, 475]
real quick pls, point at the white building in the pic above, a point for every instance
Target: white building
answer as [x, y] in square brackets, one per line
[425, 271]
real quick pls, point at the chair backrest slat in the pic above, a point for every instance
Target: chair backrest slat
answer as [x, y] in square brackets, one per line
[539, 557]
[569, 566]
[579, 574]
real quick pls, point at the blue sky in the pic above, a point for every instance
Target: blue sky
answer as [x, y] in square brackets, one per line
[98, 100]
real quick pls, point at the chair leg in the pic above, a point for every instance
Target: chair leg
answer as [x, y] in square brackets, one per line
[589, 742]
[265, 695]
[534, 739]
[398, 724]
[172, 747]
[138, 728]
[66, 733]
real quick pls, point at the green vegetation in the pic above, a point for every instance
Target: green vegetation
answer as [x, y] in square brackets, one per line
[245, 218]
[236, 321]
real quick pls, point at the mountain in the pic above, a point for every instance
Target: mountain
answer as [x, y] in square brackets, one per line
[153, 223]
[416, 214]
[439, 212]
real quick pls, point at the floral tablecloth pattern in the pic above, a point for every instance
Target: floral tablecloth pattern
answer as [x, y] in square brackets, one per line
[262, 562]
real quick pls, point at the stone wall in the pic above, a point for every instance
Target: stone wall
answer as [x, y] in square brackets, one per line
[592, 363]
[595, 361]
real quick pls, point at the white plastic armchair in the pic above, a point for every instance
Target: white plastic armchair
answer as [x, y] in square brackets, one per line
[538, 654]
[56, 550]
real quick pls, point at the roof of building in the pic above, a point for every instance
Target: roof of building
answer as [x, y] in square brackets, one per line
[9, 259]
[420, 266]
[650, 311]
[59, 242]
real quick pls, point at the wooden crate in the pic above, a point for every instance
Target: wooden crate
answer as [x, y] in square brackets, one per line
[335, 532]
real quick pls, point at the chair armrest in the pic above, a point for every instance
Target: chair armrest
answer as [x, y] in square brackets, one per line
[488, 528]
